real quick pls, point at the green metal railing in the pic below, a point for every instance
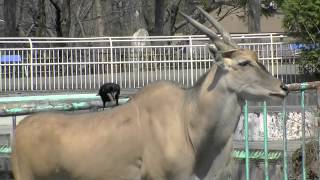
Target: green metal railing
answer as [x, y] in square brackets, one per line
[304, 176]
[24, 105]
[246, 132]
[285, 142]
[292, 87]
[86, 101]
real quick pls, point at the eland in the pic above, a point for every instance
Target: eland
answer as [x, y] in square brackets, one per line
[165, 132]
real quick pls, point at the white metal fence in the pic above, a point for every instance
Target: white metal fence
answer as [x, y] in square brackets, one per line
[33, 64]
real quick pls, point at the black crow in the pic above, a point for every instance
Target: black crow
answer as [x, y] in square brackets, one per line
[109, 92]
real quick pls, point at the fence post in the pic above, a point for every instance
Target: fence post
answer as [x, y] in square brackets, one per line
[191, 59]
[265, 140]
[13, 129]
[271, 51]
[31, 63]
[285, 143]
[303, 116]
[317, 117]
[246, 136]
[111, 57]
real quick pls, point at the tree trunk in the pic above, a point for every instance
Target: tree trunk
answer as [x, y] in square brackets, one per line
[20, 13]
[171, 17]
[159, 17]
[100, 24]
[10, 18]
[57, 10]
[41, 19]
[254, 14]
[66, 18]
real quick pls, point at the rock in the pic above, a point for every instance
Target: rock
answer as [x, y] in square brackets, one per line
[312, 162]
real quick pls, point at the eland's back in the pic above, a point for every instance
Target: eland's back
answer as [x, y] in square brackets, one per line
[85, 146]
[122, 143]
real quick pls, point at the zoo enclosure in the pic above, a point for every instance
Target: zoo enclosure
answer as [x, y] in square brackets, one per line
[58, 64]
[62, 64]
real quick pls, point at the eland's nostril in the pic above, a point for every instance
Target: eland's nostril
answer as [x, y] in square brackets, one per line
[284, 87]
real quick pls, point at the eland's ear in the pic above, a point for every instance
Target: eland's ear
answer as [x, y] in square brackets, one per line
[212, 49]
[218, 72]
[214, 52]
[229, 54]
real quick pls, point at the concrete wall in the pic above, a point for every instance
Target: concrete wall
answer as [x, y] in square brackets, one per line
[235, 24]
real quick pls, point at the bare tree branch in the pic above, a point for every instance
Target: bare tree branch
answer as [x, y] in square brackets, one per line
[196, 15]
[171, 17]
[28, 32]
[229, 12]
[80, 23]
[49, 31]
[86, 9]
[310, 35]
[58, 18]
[99, 24]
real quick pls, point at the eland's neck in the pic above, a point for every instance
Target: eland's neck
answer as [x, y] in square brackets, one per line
[214, 111]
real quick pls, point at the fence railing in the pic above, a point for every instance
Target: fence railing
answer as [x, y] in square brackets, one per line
[58, 64]
[304, 170]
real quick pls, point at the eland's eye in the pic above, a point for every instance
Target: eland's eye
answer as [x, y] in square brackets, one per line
[244, 63]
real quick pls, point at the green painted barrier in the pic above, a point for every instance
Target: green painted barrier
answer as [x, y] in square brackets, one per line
[5, 149]
[71, 102]
[237, 154]
[256, 155]
[57, 97]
